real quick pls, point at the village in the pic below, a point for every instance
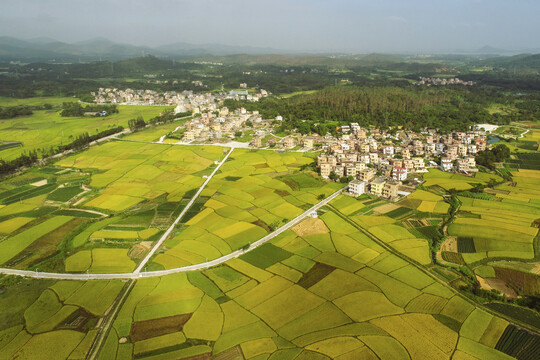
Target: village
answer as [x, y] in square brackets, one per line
[384, 163]
[184, 101]
[440, 81]
[378, 162]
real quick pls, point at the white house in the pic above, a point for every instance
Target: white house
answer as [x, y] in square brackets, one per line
[357, 187]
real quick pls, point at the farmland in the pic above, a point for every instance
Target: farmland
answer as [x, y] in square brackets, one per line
[449, 181]
[45, 128]
[137, 187]
[303, 300]
[255, 192]
[503, 225]
[296, 296]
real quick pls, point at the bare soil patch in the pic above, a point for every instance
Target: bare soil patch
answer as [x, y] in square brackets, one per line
[383, 209]
[499, 285]
[450, 244]
[310, 226]
[147, 329]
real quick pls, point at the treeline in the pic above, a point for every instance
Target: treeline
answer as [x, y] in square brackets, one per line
[14, 111]
[489, 157]
[11, 112]
[84, 139]
[76, 109]
[381, 107]
[30, 158]
[139, 123]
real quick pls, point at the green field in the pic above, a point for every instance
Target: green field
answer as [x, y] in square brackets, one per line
[142, 186]
[456, 181]
[253, 305]
[501, 227]
[255, 192]
[45, 128]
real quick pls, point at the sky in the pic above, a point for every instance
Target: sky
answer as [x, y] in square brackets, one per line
[298, 25]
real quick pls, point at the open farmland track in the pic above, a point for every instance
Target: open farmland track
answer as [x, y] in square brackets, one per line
[197, 267]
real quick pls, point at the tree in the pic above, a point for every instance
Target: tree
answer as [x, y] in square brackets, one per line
[136, 124]
[333, 176]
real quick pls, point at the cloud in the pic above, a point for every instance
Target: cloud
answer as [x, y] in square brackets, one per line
[397, 19]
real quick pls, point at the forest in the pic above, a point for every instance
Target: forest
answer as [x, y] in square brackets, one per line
[383, 107]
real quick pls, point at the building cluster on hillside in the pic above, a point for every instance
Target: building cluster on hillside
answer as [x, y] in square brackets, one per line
[185, 99]
[437, 81]
[379, 161]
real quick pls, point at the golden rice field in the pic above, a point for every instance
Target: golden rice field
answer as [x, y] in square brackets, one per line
[296, 297]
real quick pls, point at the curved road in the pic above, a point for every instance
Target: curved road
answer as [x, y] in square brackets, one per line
[137, 274]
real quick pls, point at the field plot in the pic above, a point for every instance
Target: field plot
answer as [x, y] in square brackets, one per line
[154, 133]
[51, 320]
[391, 231]
[133, 172]
[449, 181]
[503, 227]
[124, 196]
[340, 296]
[45, 128]
[254, 193]
[426, 201]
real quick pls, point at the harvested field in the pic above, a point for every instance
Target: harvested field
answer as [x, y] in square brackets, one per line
[310, 226]
[142, 330]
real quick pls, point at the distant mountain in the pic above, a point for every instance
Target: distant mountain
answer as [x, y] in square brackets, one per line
[488, 50]
[46, 49]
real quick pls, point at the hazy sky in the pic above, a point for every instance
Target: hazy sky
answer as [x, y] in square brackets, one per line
[345, 25]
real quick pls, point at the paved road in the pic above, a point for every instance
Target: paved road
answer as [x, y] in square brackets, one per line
[137, 274]
[186, 209]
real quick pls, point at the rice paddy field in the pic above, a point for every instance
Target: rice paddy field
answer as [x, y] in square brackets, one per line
[45, 128]
[322, 290]
[52, 320]
[406, 230]
[449, 181]
[99, 210]
[351, 283]
[154, 133]
[254, 193]
[502, 227]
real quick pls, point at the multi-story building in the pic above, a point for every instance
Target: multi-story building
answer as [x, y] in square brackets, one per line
[257, 141]
[350, 170]
[419, 163]
[446, 164]
[288, 142]
[189, 136]
[390, 189]
[366, 175]
[377, 186]
[399, 173]
[357, 187]
[360, 166]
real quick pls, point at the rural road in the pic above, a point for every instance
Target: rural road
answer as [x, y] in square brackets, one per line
[138, 274]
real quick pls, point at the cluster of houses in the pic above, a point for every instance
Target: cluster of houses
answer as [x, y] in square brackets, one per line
[437, 81]
[223, 124]
[379, 161]
[185, 100]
